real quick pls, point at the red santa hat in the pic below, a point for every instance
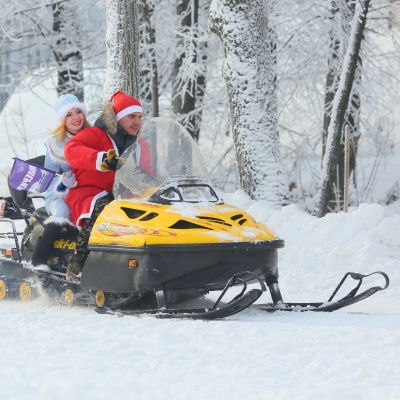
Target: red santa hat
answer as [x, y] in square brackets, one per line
[124, 105]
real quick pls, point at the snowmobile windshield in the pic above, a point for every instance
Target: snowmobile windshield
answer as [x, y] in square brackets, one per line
[164, 156]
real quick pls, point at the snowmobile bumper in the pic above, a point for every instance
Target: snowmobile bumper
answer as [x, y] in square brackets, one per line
[123, 269]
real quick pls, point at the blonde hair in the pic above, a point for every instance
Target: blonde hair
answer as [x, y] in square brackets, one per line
[61, 130]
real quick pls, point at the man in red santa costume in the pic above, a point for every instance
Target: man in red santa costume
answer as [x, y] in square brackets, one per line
[93, 154]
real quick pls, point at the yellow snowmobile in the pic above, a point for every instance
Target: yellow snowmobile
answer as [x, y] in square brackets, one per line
[168, 235]
[170, 230]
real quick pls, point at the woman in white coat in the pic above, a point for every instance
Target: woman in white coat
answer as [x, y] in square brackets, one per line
[71, 117]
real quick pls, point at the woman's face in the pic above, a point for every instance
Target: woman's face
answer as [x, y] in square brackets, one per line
[74, 120]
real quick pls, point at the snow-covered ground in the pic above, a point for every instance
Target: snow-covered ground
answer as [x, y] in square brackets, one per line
[53, 352]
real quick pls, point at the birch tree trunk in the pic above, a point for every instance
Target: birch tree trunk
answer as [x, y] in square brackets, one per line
[122, 42]
[250, 77]
[340, 104]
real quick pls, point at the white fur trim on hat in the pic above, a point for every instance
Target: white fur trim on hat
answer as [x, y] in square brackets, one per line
[65, 103]
[124, 105]
[127, 111]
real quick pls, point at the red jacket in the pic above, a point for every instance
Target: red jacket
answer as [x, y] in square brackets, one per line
[85, 154]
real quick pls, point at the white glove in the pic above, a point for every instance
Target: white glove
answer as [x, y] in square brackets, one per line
[68, 179]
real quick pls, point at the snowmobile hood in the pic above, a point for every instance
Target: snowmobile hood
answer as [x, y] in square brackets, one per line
[132, 223]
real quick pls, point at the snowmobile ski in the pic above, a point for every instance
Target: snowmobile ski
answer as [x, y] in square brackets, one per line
[331, 305]
[241, 301]
[233, 307]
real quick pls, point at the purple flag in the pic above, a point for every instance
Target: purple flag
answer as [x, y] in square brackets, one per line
[30, 177]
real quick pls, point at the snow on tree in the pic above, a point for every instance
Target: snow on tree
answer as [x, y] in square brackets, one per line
[250, 76]
[303, 37]
[42, 38]
[340, 103]
[122, 42]
[67, 48]
[149, 90]
[189, 67]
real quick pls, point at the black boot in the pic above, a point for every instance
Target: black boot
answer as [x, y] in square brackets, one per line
[45, 245]
[75, 267]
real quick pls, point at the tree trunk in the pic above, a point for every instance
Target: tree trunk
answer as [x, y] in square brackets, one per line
[122, 42]
[149, 70]
[201, 77]
[340, 105]
[341, 16]
[66, 49]
[184, 90]
[250, 76]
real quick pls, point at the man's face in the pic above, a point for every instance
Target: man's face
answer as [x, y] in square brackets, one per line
[131, 123]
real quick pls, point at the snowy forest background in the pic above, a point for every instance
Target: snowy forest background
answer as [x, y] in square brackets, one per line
[195, 64]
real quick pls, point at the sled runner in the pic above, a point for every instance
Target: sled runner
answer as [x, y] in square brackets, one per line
[330, 305]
